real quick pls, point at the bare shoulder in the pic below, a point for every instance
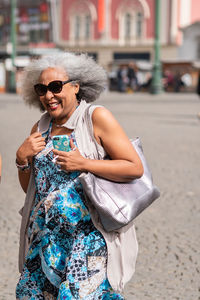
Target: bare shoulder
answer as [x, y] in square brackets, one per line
[101, 112]
[34, 128]
[103, 118]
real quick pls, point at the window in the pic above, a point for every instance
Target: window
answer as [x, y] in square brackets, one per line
[81, 31]
[139, 20]
[87, 26]
[77, 27]
[131, 25]
[127, 26]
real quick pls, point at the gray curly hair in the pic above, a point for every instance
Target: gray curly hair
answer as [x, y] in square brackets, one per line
[81, 68]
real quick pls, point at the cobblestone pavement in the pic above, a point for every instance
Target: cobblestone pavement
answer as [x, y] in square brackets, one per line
[168, 265]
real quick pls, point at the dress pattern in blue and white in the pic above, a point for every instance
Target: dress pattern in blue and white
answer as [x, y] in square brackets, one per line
[67, 256]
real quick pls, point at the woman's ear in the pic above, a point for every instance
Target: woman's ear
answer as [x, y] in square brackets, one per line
[76, 88]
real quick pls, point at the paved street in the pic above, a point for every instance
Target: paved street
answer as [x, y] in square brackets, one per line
[168, 264]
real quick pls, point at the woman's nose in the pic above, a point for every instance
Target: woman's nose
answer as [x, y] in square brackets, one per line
[49, 94]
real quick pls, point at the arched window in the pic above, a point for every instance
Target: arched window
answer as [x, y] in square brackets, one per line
[87, 26]
[77, 27]
[131, 26]
[82, 16]
[127, 26]
[132, 21]
[139, 22]
[82, 28]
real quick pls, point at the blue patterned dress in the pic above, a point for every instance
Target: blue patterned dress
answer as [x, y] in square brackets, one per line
[67, 256]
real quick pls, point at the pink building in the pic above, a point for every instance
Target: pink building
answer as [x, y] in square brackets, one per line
[115, 30]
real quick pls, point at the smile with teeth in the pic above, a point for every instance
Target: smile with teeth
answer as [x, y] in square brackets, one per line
[53, 105]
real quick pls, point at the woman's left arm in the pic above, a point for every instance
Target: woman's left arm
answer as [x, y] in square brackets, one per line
[125, 164]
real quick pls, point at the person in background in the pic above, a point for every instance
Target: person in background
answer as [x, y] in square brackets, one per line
[132, 78]
[178, 83]
[168, 81]
[187, 80]
[146, 85]
[64, 251]
[122, 79]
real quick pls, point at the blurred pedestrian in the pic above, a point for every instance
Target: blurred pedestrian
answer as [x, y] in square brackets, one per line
[187, 80]
[122, 79]
[178, 83]
[64, 251]
[132, 79]
[168, 80]
[146, 85]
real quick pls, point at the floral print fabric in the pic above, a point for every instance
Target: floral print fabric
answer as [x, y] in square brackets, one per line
[67, 255]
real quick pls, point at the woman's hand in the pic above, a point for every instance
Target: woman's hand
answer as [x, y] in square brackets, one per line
[30, 147]
[71, 160]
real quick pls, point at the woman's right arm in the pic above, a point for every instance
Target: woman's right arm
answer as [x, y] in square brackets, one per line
[30, 147]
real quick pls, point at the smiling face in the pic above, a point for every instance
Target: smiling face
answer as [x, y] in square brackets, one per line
[61, 105]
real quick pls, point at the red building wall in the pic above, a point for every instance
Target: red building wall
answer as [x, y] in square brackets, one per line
[114, 21]
[195, 11]
[65, 9]
[150, 20]
[115, 4]
[65, 23]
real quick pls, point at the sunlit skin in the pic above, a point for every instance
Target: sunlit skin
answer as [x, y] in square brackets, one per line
[59, 106]
[124, 165]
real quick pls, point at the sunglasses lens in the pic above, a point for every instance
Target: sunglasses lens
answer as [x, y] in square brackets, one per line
[40, 89]
[55, 86]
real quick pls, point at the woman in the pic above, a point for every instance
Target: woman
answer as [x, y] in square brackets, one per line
[64, 251]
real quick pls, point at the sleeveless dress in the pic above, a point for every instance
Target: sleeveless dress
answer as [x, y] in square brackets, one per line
[67, 256]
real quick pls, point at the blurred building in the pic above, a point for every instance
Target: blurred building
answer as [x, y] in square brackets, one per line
[34, 35]
[33, 25]
[110, 30]
[190, 47]
[114, 30]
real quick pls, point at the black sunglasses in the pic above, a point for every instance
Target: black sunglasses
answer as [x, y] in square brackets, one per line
[54, 86]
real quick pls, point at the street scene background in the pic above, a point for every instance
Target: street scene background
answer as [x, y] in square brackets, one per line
[145, 46]
[168, 264]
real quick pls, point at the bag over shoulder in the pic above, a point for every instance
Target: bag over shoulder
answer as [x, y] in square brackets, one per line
[117, 203]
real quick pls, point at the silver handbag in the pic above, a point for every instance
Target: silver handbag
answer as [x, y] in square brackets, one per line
[117, 203]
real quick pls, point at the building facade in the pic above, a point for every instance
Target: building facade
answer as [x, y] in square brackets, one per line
[110, 30]
[33, 24]
[114, 30]
[34, 35]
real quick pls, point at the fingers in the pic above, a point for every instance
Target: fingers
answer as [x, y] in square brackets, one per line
[36, 134]
[36, 139]
[36, 144]
[41, 144]
[33, 144]
[72, 146]
[59, 153]
[62, 158]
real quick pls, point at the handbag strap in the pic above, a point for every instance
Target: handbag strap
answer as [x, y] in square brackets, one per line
[90, 129]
